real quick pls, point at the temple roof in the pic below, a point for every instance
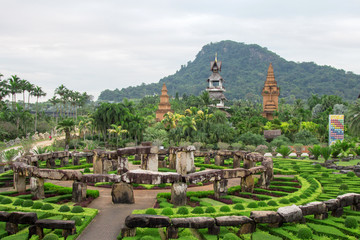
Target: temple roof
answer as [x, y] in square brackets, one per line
[214, 65]
[215, 77]
[217, 95]
[164, 89]
[270, 78]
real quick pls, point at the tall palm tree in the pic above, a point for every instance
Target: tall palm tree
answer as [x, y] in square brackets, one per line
[4, 89]
[30, 89]
[85, 125]
[118, 131]
[54, 101]
[23, 85]
[354, 118]
[61, 91]
[66, 125]
[14, 87]
[38, 92]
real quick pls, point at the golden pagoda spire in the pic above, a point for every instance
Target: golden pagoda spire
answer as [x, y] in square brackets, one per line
[216, 57]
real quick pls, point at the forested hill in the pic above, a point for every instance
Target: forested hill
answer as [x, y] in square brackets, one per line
[244, 69]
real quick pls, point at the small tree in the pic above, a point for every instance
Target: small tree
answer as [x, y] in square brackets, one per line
[325, 152]
[118, 131]
[315, 151]
[284, 151]
[66, 125]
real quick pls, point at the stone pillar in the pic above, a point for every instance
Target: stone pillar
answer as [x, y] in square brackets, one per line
[337, 212]
[128, 232]
[97, 165]
[185, 162]
[107, 165]
[122, 193]
[2, 169]
[247, 184]
[153, 162]
[214, 230]
[79, 191]
[172, 160]
[50, 163]
[89, 158]
[236, 161]
[37, 187]
[19, 183]
[249, 164]
[172, 232]
[268, 174]
[219, 160]
[220, 188]
[178, 194]
[247, 228]
[123, 165]
[207, 159]
[76, 160]
[64, 161]
[11, 228]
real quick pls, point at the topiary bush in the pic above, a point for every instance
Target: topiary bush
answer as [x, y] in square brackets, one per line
[77, 209]
[27, 203]
[64, 208]
[338, 180]
[198, 210]
[230, 236]
[210, 210]
[51, 236]
[167, 211]
[182, 211]
[18, 202]
[262, 204]
[293, 200]
[239, 206]
[344, 187]
[351, 222]
[87, 170]
[317, 166]
[284, 201]
[252, 205]
[77, 220]
[325, 174]
[47, 207]
[272, 203]
[37, 205]
[350, 174]
[304, 233]
[6, 201]
[225, 209]
[150, 211]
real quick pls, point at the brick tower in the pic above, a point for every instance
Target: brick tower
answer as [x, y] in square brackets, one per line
[270, 95]
[164, 105]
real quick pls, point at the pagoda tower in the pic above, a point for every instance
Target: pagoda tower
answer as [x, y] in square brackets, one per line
[270, 95]
[164, 105]
[216, 84]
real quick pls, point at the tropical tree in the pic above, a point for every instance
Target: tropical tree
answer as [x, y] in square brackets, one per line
[118, 130]
[23, 85]
[4, 88]
[38, 92]
[61, 91]
[54, 101]
[84, 125]
[14, 88]
[30, 89]
[66, 125]
[354, 118]
[188, 125]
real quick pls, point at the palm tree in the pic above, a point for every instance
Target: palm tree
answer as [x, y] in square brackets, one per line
[188, 124]
[85, 125]
[38, 92]
[118, 131]
[30, 89]
[4, 88]
[66, 125]
[61, 91]
[354, 118]
[54, 101]
[23, 85]
[14, 84]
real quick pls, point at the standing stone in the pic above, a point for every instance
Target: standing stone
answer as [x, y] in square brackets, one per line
[107, 165]
[11, 228]
[123, 165]
[97, 165]
[79, 191]
[128, 232]
[64, 161]
[19, 183]
[1, 168]
[185, 162]
[247, 228]
[153, 162]
[178, 194]
[122, 193]
[247, 184]
[37, 187]
[172, 160]
[249, 164]
[50, 163]
[220, 188]
[207, 159]
[236, 161]
[76, 160]
[172, 232]
[219, 160]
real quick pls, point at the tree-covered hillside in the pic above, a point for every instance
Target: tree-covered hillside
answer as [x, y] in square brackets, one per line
[244, 69]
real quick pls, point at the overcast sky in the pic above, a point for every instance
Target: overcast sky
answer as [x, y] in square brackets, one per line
[96, 45]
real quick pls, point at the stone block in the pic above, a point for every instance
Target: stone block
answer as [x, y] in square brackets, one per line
[347, 199]
[207, 159]
[4, 216]
[219, 160]
[172, 160]
[150, 177]
[313, 208]
[11, 228]
[178, 194]
[79, 191]
[247, 184]
[220, 188]
[206, 175]
[23, 218]
[247, 228]
[290, 213]
[55, 224]
[122, 193]
[236, 161]
[128, 232]
[265, 217]
[19, 182]
[235, 173]
[232, 220]
[172, 232]
[146, 221]
[185, 162]
[37, 187]
[126, 151]
[332, 204]
[123, 165]
[337, 212]
[249, 164]
[214, 230]
[193, 222]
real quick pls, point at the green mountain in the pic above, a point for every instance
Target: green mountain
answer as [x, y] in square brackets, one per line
[244, 69]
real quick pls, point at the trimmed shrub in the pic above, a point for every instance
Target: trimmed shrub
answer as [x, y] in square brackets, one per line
[51, 236]
[239, 206]
[47, 207]
[165, 205]
[194, 199]
[272, 203]
[87, 170]
[150, 211]
[18, 202]
[210, 210]
[225, 209]
[252, 205]
[64, 208]
[351, 222]
[343, 187]
[183, 211]
[284, 201]
[317, 166]
[325, 174]
[77, 209]
[6, 201]
[350, 174]
[304, 233]
[293, 200]
[37, 205]
[230, 236]
[262, 204]
[27, 203]
[167, 211]
[198, 210]
[338, 180]
[77, 220]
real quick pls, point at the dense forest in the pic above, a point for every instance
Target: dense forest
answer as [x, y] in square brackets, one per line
[244, 69]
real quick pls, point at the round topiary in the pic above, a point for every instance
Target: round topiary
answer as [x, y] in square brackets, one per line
[150, 211]
[64, 208]
[239, 206]
[27, 203]
[147, 237]
[230, 236]
[18, 202]
[198, 210]
[210, 210]
[284, 201]
[51, 236]
[225, 209]
[325, 174]
[77, 209]
[183, 211]
[350, 174]
[338, 180]
[37, 205]
[77, 220]
[262, 204]
[272, 203]
[86, 170]
[167, 211]
[304, 233]
[351, 222]
[47, 206]
[293, 200]
[343, 187]
[6, 201]
[252, 205]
